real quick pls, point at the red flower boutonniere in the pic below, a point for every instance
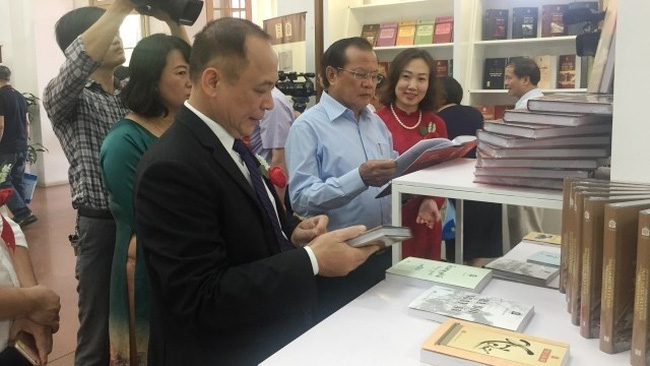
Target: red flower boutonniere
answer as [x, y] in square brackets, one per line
[274, 174]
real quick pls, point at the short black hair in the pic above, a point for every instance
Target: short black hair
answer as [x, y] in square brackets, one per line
[524, 66]
[148, 60]
[73, 23]
[5, 73]
[223, 41]
[449, 90]
[395, 70]
[335, 56]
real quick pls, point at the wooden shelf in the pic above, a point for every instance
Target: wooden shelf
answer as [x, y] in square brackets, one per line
[387, 5]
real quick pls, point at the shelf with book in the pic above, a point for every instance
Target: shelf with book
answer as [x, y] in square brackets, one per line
[498, 32]
[373, 18]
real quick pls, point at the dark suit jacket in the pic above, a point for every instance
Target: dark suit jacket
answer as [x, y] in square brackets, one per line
[222, 293]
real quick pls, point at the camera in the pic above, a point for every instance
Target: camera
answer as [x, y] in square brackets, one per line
[300, 91]
[585, 21]
[183, 12]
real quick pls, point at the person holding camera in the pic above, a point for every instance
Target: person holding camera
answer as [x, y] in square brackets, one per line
[82, 103]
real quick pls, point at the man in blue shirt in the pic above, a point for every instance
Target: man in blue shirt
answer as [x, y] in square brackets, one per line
[338, 155]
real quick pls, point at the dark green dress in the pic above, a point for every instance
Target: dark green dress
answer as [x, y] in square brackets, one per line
[119, 157]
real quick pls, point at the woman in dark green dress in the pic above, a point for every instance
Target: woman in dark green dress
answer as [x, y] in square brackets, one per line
[158, 86]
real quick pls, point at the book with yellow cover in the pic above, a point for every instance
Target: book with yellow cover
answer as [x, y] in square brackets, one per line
[466, 343]
[543, 238]
[405, 33]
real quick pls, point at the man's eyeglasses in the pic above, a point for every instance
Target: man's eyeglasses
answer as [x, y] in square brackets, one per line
[374, 76]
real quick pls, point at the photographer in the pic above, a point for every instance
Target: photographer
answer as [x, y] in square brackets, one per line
[82, 102]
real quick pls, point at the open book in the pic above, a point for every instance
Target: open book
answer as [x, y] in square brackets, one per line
[428, 153]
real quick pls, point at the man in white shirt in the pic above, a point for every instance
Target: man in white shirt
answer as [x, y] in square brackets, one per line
[521, 78]
[24, 305]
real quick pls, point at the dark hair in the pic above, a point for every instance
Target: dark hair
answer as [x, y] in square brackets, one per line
[335, 56]
[223, 41]
[73, 23]
[395, 70]
[147, 63]
[448, 90]
[5, 73]
[524, 66]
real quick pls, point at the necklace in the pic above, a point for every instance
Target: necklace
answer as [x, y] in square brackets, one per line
[400, 121]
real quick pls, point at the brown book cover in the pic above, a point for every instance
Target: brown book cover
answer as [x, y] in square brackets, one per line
[443, 31]
[442, 68]
[369, 32]
[640, 330]
[619, 271]
[566, 76]
[495, 24]
[552, 23]
[592, 256]
[387, 34]
[459, 342]
[405, 33]
[383, 68]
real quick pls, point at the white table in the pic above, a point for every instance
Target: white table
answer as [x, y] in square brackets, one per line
[375, 329]
[454, 179]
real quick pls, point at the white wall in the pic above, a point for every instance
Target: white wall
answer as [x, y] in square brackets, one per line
[631, 134]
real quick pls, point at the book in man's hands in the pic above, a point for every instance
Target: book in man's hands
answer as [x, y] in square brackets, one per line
[381, 235]
[530, 273]
[532, 130]
[457, 342]
[424, 273]
[439, 303]
[428, 153]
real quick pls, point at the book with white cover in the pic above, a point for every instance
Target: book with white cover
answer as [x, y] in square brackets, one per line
[561, 153]
[439, 303]
[425, 273]
[387, 235]
[534, 131]
[485, 162]
[507, 141]
[573, 103]
[520, 271]
[556, 119]
[545, 258]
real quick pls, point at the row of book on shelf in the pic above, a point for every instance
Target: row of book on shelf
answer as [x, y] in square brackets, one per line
[556, 72]
[605, 263]
[474, 324]
[410, 32]
[559, 136]
[525, 21]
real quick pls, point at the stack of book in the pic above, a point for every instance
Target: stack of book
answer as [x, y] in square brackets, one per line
[605, 263]
[559, 136]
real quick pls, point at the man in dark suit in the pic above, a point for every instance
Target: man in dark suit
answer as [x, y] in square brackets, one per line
[227, 285]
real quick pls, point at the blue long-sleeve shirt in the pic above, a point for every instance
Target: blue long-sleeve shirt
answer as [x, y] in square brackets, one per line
[325, 147]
